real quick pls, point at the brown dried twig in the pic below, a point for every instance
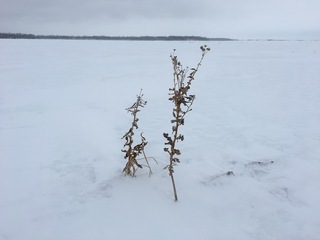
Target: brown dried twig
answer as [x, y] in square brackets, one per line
[133, 151]
[182, 101]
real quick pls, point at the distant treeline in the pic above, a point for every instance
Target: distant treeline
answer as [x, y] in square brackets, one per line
[132, 38]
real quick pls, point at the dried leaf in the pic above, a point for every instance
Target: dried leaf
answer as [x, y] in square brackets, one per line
[176, 160]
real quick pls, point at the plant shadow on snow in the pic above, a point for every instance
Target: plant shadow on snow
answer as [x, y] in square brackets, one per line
[262, 173]
[77, 180]
[254, 169]
[254, 172]
[259, 169]
[218, 179]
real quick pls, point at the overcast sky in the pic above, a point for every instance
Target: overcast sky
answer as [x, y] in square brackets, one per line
[293, 19]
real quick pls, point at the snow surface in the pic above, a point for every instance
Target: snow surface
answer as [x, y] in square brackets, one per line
[62, 116]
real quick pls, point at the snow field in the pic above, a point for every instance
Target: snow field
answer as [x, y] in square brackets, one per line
[62, 116]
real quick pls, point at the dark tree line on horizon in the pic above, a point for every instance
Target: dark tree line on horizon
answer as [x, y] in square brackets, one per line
[132, 38]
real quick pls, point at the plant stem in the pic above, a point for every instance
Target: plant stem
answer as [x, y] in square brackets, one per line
[172, 152]
[174, 186]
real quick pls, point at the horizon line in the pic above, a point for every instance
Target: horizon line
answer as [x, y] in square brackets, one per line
[137, 38]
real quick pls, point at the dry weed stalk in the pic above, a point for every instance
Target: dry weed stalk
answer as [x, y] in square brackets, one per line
[132, 152]
[182, 101]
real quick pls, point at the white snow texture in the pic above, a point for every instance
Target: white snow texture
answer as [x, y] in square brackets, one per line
[62, 116]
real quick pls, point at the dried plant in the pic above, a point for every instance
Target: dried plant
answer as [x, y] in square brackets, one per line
[133, 151]
[182, 100]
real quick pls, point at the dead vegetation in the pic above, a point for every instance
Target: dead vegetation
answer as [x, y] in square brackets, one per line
[182, 101]
[133, 151]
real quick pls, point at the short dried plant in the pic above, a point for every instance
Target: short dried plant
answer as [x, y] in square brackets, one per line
[133, 151]
[182, 101]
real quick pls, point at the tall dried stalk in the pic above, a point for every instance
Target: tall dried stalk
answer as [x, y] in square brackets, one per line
[132, 152]
[182, 101]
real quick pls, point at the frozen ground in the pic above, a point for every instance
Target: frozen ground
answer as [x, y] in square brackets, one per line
[62, 116]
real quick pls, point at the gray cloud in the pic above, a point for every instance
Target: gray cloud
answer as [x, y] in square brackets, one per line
[233, 18]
